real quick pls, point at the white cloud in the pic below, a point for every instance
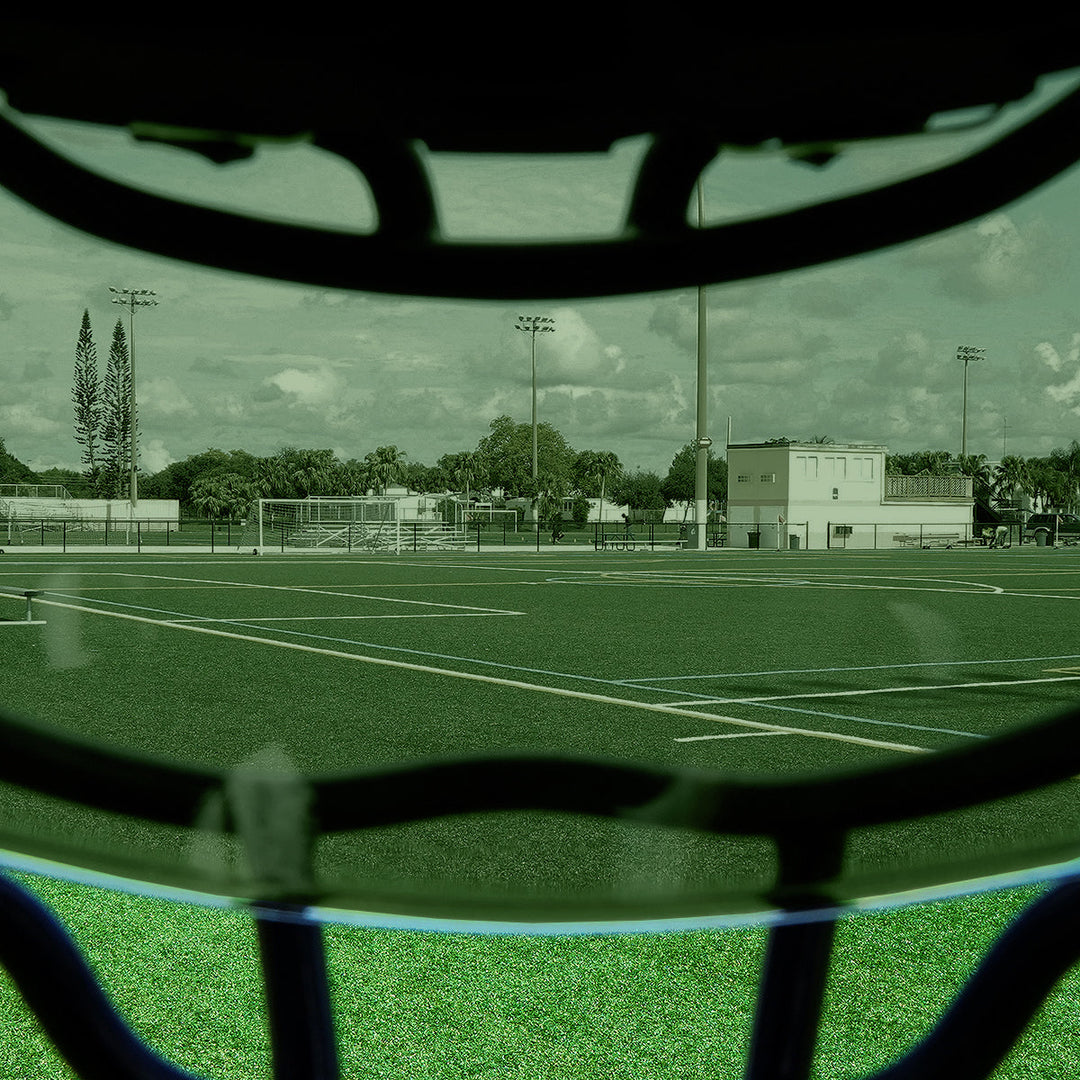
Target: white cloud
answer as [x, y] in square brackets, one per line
[307, 387]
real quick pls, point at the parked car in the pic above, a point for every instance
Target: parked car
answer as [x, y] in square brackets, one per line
[1056, 528]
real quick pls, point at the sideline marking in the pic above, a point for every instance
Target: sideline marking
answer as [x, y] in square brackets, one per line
[579, 695]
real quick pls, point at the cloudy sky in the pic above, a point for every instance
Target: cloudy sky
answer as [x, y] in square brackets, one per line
[861, 350]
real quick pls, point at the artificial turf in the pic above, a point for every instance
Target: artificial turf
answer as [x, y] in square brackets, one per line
[626, 1007]
[710, 634]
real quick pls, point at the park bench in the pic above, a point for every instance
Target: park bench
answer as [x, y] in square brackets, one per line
[26, 594]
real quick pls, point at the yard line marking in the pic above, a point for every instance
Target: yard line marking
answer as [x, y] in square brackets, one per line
[579, 695]
[861, 667]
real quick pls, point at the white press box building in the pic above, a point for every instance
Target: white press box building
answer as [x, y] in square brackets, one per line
[836, 495]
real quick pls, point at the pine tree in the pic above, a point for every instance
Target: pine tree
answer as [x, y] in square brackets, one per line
[116, 418]
[86, 397]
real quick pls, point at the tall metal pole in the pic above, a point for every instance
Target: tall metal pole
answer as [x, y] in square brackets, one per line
[966, 353]
[534, 469]
[701, 478]
[534, 324]
[131, 299]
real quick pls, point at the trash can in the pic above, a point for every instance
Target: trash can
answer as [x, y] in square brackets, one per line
[793, 543]
[753, 539]
[1041, 538]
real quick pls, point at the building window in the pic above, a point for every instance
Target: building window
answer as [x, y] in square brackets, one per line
[842, 530]
[768, 478]
[742, 478]
[807, 466]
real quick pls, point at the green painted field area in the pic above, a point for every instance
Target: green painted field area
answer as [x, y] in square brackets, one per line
[753, 664]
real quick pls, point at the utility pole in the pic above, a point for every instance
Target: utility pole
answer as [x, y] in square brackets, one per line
[534, 324]
[703, 442]
[131, 299]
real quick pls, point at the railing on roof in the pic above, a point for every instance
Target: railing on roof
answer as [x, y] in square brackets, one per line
[34, 491]
[928, 487]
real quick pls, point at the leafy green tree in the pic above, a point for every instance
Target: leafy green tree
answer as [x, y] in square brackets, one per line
[13, 471]
[223, 495]
[506, 458]
[86, 398]
[1067, 462]
[680, 484]
[424, 479]
[641, 492]
[175, 480]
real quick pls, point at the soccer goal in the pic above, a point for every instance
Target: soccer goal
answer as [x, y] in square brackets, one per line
[363, 522]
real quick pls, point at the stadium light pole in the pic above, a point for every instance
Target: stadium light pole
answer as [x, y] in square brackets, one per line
[131, 299]
[534, 324]
[703, 442]
[967, 353]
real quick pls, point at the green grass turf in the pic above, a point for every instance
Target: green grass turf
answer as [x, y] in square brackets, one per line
[695, 628]
[604, 1007]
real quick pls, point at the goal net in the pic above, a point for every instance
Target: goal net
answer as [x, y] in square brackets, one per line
[366, 523]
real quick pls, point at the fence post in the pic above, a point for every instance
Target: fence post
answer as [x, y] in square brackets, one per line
[211, 536]
[138, 536]
[537, 536]
[478, 538]
[63, 537]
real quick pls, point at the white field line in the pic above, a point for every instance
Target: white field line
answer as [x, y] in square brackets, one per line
[731, 735]
[515, 684]
[861, 667]
[344, 618]
[879, 690]
[208, 582]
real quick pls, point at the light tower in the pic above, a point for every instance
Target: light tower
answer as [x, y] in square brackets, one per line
[534, 324]
[967, 353]
[131, 299]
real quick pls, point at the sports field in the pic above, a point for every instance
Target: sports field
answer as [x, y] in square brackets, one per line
[751, 663]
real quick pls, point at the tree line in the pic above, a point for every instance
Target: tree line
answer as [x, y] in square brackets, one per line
[218, 483]
[1043, 483]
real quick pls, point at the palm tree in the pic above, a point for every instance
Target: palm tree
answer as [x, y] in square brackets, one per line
[1010, 476]
[598, 467]
[385, 464]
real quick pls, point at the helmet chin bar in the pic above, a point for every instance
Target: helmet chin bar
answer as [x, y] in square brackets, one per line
[656, 249]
